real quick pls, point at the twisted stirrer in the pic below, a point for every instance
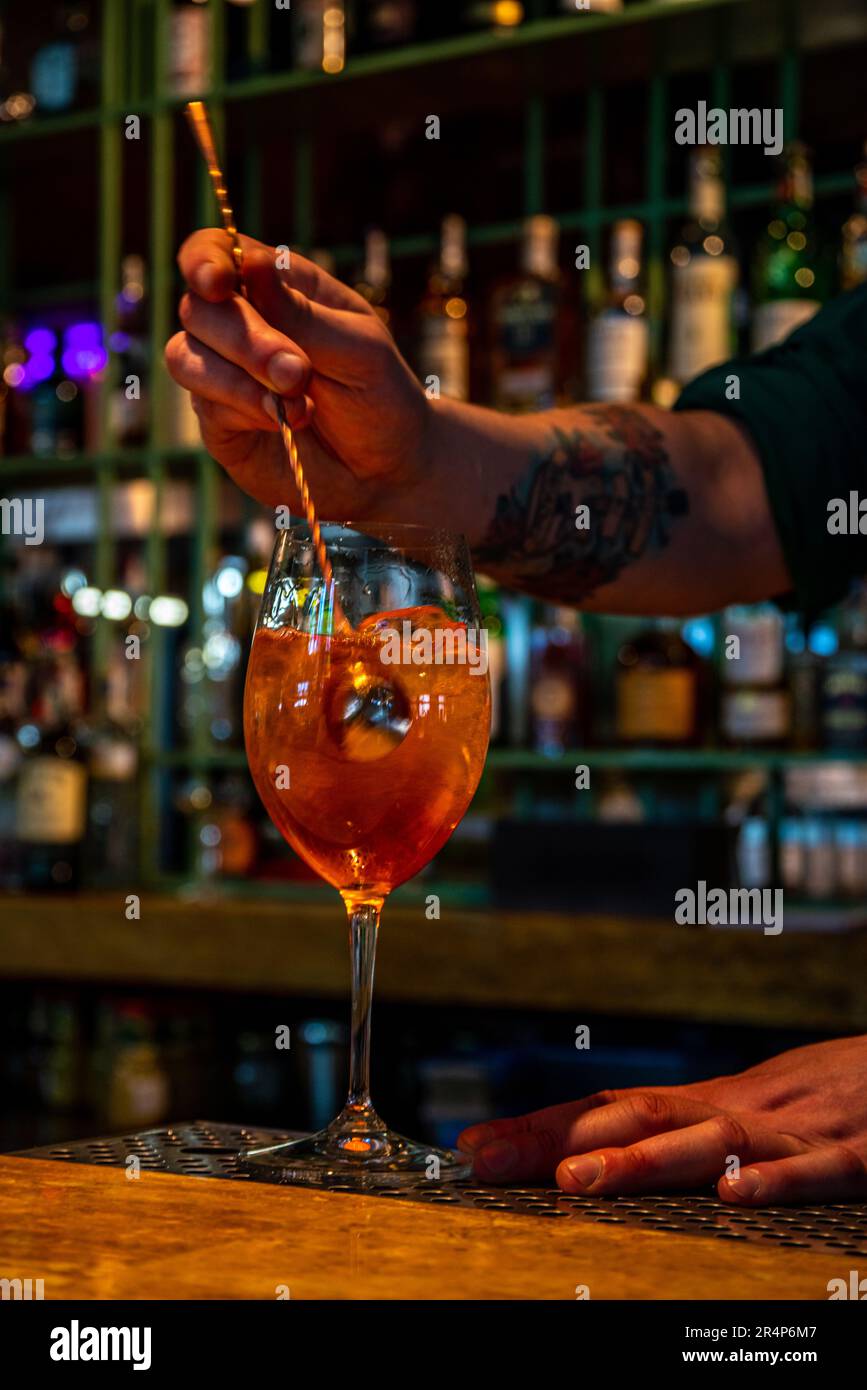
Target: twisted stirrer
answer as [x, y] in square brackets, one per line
[197, 115]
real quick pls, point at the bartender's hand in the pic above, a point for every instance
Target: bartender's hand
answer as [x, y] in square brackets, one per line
[797, 1125]
[360, 414]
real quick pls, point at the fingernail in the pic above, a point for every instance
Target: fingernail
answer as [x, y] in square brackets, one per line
[747, 1185]
[500, 1158]
[207, 275]
[475, 1138]
[586, 1169]
[285, 371]
[269, 407]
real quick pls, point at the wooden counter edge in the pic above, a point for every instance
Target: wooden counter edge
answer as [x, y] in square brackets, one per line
[538, 960]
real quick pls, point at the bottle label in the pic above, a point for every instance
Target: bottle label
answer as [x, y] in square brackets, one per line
[113, 759]
[707, 199]
[52, 801]
[553, 699]
[775, 320]
[444, 353]
[853, 263]
[189, 50]
[844, 704]
[526, 327]
[701, 315]
[526, 388]
[617, 356]
[755, 715]
[761, 650]
[10, 757]
[496, 675]
[656, 706]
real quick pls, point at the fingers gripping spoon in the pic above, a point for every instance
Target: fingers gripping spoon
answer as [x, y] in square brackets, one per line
[372, 705]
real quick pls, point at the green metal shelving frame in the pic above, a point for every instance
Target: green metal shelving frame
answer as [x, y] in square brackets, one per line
[127, 25]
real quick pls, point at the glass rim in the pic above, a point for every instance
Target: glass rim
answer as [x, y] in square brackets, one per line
[434, 537]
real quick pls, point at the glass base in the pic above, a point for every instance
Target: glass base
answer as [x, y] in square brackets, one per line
[355, 1158]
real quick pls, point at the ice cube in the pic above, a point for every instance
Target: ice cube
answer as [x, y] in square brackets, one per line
[368, 711]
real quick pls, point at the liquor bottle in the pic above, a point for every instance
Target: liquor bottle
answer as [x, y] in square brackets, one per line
[617, 343]
[128, 409]
[557, 722]
[228, 842]
[853, 251]
[64, 73]
[138, 1087]
[494, 624]
[802, 675]
[843, 681]
[15, 424]
[375, 273]
[588, 6]
[57, 413]
[52, 788]
[851, 852]
[704, 275]
[785, 268]
[443, 331]
[12, 689]
[111, 846]
[189, 48]
[755, 703]
[658, 687]
[320, 35]
[820, 860]
[54, 1029]
[498, 15]
[524, 321]
[389, 23]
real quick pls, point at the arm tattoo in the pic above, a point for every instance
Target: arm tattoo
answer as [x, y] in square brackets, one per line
[618, 469]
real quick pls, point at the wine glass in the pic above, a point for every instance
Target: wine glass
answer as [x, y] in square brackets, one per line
[366, 719]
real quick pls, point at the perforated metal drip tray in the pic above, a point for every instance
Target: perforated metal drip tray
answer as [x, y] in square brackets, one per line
[204, 1150]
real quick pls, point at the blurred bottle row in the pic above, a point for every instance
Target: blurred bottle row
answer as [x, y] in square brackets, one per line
[50, 57]
[748, 679]
[91, 680]
[123, 1063]
[526, 342]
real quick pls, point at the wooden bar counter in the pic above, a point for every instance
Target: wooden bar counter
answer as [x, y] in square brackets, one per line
[92, 1233]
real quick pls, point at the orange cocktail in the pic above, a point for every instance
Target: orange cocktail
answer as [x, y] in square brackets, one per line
[366, 816]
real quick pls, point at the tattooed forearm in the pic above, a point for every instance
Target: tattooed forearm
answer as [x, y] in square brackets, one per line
[597, 499]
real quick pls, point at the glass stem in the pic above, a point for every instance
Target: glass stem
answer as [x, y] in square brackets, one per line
[363, 927]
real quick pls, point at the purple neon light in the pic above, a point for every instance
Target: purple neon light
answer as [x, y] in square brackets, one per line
[40, 342]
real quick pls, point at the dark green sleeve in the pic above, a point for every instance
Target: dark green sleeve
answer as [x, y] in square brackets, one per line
[805, 405]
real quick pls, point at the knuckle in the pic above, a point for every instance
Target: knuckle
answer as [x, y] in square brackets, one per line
[259, 258]
[850, 1164]
[175, 351]
[600, 1098]
[638, 1161]
[732, 1135]
[548, 1141]
[648, 1106]
[185, 308]
[299, 306]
